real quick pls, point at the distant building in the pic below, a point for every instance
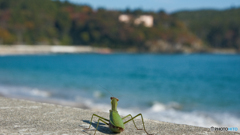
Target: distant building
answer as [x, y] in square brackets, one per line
[124, 18]
[147, 20]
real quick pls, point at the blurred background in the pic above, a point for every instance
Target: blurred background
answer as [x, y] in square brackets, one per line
[171, 61]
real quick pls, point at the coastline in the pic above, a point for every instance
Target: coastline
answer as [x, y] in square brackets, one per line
[59, 49]
[49, 49]
[29, 117]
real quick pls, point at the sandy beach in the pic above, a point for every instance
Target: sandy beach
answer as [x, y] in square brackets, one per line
[48, 49]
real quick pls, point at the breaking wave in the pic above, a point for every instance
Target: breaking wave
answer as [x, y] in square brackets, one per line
[11, 91]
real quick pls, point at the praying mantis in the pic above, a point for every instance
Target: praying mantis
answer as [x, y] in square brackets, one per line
[116, 123]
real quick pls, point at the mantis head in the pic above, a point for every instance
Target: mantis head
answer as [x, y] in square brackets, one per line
[114, 98]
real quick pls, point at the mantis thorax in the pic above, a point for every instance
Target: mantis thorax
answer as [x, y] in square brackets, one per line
[114, 102]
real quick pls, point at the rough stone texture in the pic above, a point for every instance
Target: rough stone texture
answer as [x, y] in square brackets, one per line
[28, 117]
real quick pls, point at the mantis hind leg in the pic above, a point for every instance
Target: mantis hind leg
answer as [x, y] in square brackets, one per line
[134, 122]
[101, 118]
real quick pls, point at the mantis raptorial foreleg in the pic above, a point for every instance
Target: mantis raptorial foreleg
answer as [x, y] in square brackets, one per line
[134, 122]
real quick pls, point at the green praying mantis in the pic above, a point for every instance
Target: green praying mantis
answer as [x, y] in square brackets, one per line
[116, 123]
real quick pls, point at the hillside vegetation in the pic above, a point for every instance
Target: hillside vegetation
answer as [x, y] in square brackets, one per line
[37, 22]
[219, 29]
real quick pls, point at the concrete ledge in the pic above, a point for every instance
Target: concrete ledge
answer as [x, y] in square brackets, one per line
[28, 117]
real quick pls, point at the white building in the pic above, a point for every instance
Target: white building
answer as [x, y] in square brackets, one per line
[147, 20]
[124, 18]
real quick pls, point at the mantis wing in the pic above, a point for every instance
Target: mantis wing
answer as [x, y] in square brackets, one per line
[115, 119]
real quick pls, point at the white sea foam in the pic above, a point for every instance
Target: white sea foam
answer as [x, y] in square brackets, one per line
[158, 107]
[23, 92]
[36, 92]
[98, 94]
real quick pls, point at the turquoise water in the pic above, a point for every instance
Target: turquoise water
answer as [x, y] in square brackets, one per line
[175, 88]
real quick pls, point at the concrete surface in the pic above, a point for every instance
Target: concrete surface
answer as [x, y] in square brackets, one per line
[28, 117]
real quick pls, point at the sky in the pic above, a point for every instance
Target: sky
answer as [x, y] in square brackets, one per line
[156, 5]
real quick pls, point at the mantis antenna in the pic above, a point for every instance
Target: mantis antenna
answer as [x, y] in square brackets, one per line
[106, 90]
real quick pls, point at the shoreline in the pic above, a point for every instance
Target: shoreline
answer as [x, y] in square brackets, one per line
[49, 49]
[48, 101]
[24, 117]
[6, 50]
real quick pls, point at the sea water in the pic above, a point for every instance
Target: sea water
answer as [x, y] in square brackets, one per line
[195, 89]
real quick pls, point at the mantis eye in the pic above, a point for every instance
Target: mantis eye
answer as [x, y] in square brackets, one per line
[111, 98]
[117, 99]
